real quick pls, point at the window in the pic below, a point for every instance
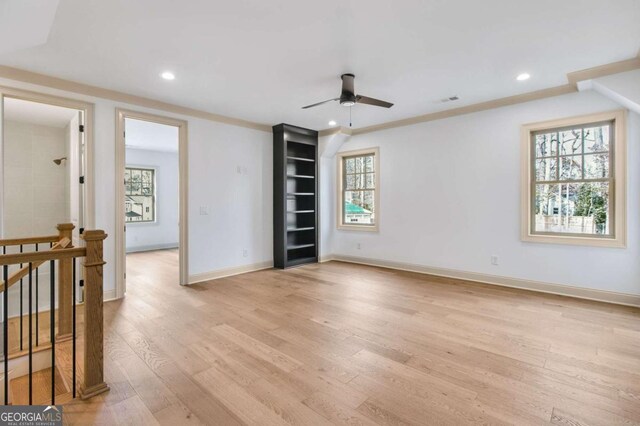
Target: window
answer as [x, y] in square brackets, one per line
[140, 194]
[574, 181]
[358, 190]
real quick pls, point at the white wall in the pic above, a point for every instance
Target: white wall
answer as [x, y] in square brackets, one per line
[163, 233]
[450, 198]
[239, 206]
[34, 187]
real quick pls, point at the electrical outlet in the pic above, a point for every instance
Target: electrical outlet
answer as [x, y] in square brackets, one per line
[238, 169]
[358, 246]
[245, 253]
[204, 211]
[494, 260]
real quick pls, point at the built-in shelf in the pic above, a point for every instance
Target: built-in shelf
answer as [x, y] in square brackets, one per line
[300, 246]
[301, 176]
[308, 228]
[295, 196]
[295, 261]
[300, 159]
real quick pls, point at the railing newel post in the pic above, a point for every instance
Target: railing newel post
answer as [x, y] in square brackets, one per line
[93, 383]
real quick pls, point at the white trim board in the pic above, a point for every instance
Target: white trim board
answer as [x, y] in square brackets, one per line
[228, 272]
[183, 172]
[87, 109]
[109, 295]
[152, 247]
[537, 286]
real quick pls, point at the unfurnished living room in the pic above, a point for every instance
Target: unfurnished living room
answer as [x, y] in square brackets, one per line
[361, 212]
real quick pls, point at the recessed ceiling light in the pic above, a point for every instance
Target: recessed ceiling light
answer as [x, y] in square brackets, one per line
[332, 123]
[168, 75]
[522, 77]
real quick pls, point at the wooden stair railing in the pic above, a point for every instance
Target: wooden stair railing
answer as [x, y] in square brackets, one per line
[22, 273]
[64, 254]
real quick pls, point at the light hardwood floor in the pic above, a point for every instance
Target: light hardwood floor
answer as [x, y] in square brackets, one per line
[345, 344]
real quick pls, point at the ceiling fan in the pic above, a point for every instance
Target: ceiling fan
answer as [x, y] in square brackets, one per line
[349, 98]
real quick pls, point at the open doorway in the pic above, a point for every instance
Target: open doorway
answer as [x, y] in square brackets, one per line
[43, 169]
[151, 181]
[46, 183]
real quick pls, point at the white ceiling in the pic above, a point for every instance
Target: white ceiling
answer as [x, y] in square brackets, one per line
[150, 136]
[25, 23]
[262, 60]
[36, 113]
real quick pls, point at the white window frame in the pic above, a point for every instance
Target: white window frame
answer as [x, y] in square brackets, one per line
[155, 196]
[340, 190]
[618, 202]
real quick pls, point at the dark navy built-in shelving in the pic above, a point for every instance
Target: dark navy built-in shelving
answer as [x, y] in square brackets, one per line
[295, 201]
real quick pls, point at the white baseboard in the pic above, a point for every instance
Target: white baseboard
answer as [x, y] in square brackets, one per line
[227, 272]
[109, 295]
[563, 290]
[326, 258]
[152, 247]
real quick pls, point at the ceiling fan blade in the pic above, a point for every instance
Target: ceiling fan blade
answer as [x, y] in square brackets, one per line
[320, 103]
[371, 101]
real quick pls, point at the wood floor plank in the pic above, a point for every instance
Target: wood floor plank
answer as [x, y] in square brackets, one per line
[147, 385]
[258, 348]
[237, 399]
[332, 409]
[132, 412]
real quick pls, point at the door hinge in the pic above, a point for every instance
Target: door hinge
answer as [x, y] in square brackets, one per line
[81, 128]
[81, 179]
[81, 230]
[81, 283]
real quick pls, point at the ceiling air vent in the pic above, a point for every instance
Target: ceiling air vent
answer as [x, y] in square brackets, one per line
[449, 99]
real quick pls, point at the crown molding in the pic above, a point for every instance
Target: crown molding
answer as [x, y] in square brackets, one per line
[98, 92]
[335, 131]
[603, 70]
[482, 106]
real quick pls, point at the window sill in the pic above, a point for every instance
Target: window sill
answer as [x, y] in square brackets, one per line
[362, 228]
[155, 222]
[575, 241]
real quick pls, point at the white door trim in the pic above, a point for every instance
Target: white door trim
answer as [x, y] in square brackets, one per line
[120, 240]
[88, 111]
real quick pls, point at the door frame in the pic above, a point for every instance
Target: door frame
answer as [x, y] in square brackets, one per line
[183, 173]
[87, 109]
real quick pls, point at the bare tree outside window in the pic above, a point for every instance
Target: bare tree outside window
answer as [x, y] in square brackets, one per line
[572, 180]
[140, 194]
